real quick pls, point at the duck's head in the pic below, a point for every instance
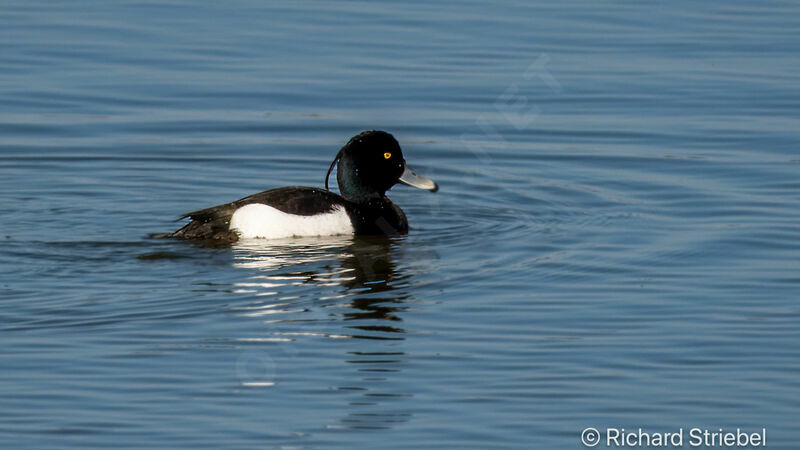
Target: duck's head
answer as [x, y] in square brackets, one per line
[371, 163]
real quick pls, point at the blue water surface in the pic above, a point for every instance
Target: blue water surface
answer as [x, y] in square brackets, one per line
[616, 241]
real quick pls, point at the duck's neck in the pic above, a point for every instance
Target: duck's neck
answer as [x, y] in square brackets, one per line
[362, 198]
[355, 191]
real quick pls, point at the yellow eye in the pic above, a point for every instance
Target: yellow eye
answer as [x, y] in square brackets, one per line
[387, 155]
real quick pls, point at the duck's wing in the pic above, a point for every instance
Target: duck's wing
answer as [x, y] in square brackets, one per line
[213, 224]
[298, 200]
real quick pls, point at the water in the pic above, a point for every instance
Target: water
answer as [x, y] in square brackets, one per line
[615, 242]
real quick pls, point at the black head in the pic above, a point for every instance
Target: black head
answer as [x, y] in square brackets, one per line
[371, 163]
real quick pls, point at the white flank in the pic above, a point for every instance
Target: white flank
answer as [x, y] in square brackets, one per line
[257, 220]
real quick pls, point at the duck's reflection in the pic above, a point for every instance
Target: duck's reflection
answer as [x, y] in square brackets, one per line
[341, 288]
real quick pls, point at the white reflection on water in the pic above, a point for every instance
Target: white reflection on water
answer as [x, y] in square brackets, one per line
[358, 264]
[306, 280]
[345, 289]
[267, 254]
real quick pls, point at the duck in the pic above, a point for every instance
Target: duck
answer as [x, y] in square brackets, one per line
[368, 165]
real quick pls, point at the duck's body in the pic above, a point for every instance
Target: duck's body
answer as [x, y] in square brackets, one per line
[369, 164]
[293, 211]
